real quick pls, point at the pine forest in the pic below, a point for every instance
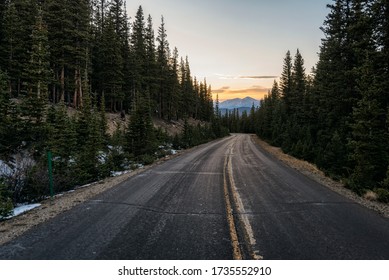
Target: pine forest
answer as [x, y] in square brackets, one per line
[86, 57]
[336, 116]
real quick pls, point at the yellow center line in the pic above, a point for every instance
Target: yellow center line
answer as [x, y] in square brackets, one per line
[234, 198]
[237, 254]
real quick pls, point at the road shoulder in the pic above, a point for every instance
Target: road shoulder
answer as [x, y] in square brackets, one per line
[311, 171]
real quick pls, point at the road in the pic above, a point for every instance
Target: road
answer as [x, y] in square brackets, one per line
[228, 199]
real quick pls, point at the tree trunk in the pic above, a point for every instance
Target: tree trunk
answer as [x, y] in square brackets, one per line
[62, 81]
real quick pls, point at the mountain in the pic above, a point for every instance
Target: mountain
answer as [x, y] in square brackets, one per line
[237, 103]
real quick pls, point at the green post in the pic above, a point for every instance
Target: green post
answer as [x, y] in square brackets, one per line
[49, 158]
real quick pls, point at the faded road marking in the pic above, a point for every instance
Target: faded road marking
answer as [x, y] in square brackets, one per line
[237, 201]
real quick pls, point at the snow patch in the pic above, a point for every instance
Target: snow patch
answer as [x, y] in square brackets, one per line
[119, 173]
[18, 210]
[5, 170]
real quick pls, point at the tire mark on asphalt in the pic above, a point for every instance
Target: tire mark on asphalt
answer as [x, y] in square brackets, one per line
[155, 210]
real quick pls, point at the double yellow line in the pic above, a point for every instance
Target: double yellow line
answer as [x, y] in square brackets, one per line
[232, 199]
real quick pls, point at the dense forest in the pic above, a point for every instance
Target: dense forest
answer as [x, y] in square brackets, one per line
[86, 55]
[337, 116]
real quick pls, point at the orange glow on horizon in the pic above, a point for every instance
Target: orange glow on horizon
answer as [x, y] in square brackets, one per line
[226, 94]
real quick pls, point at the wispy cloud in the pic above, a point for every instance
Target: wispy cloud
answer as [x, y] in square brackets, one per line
[221, 90]
[257, 77]
[242, 77]
[255, 91]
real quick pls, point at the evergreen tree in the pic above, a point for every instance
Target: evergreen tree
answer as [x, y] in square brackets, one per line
[111, 71]
[174, 101]
[369, 136]
[62, 137]
[12, 46]
[298, 86]
[89, 143]
[138, 47]
[151, 65]
[38, 71]
[69, 38]
[187, 90]
[141, 139]
[5, 120]
[163, 69]
[286, 81]
[335, 91]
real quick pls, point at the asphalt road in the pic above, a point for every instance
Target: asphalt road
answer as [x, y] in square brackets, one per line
[228, 199]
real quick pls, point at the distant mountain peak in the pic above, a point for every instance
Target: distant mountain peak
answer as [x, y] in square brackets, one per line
[239, 103]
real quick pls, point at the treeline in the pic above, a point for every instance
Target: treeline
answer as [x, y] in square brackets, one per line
[337, 116]
[63, 65]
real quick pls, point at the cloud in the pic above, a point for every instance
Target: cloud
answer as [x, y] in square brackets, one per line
[226, 92]
[221, 90]
[257, 77]
[243, 77]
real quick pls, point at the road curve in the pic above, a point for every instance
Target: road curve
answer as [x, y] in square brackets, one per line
[228, 199]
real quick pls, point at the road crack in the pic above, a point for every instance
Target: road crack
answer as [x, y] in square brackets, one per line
[156, 210]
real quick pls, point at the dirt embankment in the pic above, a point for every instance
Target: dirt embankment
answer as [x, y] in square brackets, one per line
[314, 173]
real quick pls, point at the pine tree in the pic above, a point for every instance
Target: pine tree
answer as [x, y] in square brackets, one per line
[69, 38]
[138, 47]
[111, 71]
[187, 90]
[286, 81]
[163, 70]
[89, 143]
[5, 105]
[38, 71]
[12, 46]
[298, 86]
[369, 135]
[335, 85]
[151, 77]
[62, 137]
[140, 136]
[3, 7]
[174, 96]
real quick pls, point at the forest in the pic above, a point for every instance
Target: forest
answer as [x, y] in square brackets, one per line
[87, 55]
[337, 116]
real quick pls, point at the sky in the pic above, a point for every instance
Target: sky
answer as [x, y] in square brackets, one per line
[239, 45]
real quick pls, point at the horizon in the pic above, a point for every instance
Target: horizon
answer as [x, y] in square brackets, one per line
[237, 98]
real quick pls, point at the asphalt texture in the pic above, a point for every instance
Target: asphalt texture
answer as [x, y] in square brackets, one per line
[228, 199]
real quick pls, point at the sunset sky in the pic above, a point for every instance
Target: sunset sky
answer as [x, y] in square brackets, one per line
[239, 45]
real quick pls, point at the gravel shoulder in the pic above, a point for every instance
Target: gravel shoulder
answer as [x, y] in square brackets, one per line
[311, 171]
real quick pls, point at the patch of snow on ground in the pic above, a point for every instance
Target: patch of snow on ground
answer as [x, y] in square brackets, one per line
[119, 173]
[22, 209]
[5, 170]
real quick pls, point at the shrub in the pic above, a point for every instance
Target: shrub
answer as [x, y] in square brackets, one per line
[383, 195]
[6, 205]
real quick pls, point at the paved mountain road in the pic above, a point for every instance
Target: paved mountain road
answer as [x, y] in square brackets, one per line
[223, 200]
